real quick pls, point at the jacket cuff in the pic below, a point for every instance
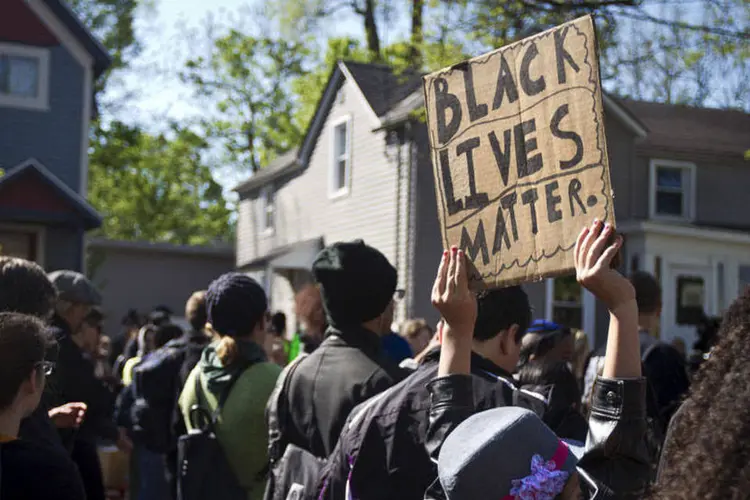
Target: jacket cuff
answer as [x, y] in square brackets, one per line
[453, 390]
[620, 397]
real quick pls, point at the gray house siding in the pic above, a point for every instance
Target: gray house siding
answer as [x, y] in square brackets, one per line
[721, 188]
[303, 207]
[304, 210]
[620, 151]
[429, 241]
[53, 136]
[141, 277]
[722, 194]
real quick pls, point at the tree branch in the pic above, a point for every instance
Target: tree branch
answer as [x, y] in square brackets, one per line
[642, 16]
[580, 4]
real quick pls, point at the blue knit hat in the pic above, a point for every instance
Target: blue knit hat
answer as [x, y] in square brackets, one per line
[235, 303]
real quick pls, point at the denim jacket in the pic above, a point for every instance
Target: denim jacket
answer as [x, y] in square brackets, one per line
[615, 464]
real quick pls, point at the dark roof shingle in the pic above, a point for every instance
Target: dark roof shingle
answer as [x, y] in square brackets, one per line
[383, 88]
[685, 128]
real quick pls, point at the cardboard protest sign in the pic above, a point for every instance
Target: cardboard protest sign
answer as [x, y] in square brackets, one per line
[519, 154]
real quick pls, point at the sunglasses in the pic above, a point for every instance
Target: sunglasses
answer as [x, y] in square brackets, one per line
[47, 367]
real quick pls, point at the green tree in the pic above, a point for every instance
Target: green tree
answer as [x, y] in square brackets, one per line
[249, 78]
[156, 187]
[675, 54]
[112, 23]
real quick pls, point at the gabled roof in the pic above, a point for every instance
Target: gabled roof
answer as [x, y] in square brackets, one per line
[383, 88]
[690, 129]
[278, 167]
[102, 59]
[91, 217]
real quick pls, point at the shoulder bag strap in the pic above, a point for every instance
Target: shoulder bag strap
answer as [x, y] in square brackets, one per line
[200, 400]
[275, 445]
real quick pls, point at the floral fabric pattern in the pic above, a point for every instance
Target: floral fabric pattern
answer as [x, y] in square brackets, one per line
[544, 483]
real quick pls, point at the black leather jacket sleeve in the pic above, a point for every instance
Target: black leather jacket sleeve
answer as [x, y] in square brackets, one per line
[452, 402]
[616, 455]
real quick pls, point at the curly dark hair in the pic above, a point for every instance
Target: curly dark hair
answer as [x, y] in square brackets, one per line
[707, 454]
[25, 288]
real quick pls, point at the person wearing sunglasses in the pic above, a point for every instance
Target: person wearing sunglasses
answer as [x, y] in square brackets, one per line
[509, 453]
[23, 370]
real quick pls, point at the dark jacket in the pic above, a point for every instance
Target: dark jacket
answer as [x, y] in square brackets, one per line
[348, 368]
[191, 344]
[34, 472]
[74, 380]
[616, 462]
[666, 376]
[384, 436]
[39, 429]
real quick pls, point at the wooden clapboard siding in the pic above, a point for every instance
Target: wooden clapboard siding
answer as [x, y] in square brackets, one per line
[304, 209]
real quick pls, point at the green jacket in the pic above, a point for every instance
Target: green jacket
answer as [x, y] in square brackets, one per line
[241, 428]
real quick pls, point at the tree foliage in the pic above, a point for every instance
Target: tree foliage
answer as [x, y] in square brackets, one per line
[156, 187]
[112, 23]
[249, 79]
[693, 56]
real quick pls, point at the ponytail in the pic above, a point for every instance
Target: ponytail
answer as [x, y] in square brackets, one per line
[227, 350]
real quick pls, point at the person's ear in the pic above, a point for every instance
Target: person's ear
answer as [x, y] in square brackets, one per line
[32, 383]
[508, 342]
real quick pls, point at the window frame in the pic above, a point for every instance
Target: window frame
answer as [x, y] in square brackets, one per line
[333, 191]
[41, 101]
[266, 193]
[688, 192]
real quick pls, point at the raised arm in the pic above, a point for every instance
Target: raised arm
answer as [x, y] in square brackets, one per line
[616, 453]
[452, 394]
[593, 261]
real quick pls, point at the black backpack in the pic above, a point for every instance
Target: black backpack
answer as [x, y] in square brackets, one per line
[294, 472]
[155, 386]
[203, 471]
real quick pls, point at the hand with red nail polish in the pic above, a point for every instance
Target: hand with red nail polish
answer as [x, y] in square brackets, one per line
[593, 257]
[458, 307]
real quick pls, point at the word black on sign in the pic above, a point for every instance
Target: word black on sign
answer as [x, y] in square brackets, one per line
[519, 154]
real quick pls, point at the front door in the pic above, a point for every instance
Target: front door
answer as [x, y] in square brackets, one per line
[686, 296]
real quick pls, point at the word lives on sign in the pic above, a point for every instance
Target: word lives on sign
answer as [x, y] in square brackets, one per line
[519, 154]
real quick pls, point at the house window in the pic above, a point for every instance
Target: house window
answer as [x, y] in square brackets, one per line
[268, 202]
[341, 158]
[672, 189]
[24, 73]
[567, 302]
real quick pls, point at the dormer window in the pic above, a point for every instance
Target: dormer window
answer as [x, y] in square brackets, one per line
[24, 77]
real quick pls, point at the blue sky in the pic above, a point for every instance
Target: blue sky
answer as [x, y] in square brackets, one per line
[167, 33]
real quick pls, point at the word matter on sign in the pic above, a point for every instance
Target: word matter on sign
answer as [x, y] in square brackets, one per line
[519, 154]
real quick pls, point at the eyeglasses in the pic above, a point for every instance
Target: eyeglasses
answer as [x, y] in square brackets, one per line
[399, 294]
[47, 367]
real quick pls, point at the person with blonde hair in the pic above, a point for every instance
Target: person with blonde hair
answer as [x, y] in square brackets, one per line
[235, 376]
[417, 333]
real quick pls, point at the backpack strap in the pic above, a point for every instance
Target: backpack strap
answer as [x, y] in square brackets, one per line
[274, 409]
[214, 416]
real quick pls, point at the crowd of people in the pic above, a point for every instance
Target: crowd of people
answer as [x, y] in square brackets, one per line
[489, 403]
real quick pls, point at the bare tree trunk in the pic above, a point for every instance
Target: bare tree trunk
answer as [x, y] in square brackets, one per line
[371, 30]
[417, 11]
